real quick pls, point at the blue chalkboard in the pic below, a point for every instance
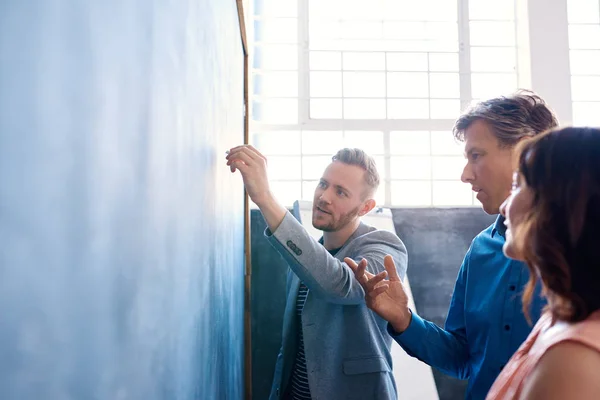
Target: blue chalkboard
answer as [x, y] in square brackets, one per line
[121, 229]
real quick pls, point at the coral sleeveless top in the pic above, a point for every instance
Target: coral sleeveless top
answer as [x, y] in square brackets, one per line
[509, 383]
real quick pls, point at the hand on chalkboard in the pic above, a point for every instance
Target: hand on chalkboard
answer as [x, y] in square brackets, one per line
[387, 298]
[253, 167]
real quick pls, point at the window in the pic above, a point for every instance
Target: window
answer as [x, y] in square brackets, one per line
[388, 76]
[584, 45]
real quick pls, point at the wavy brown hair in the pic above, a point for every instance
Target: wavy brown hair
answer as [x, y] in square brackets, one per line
[511, 118]
[561, 234]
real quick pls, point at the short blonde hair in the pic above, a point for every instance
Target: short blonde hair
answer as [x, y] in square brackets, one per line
[358, 157]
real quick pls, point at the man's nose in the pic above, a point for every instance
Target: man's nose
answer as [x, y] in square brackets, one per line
[467, 174]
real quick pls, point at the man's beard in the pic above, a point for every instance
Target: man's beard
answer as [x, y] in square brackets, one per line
[337, 224]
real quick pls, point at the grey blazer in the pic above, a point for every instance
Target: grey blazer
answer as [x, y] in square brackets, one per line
[346, 345]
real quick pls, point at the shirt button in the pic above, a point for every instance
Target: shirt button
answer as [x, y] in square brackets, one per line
[512, 288]
[507, 327]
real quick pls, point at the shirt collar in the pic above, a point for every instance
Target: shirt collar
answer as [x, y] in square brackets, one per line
[499, 226]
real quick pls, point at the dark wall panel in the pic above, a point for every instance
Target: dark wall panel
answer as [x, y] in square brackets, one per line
[269, 272]
[437, 240]
[121, 230]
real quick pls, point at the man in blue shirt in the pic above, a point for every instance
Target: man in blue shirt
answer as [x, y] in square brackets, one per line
[485, 324]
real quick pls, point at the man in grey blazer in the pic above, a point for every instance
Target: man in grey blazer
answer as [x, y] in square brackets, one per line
[333, 346]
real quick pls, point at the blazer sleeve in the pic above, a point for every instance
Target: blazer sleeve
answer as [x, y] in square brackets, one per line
[325, 275]
[445, 349]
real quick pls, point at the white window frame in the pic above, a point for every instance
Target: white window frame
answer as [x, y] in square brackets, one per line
[541, 34]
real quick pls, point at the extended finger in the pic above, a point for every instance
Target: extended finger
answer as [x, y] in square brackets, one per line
[372, 283]
[390, 267]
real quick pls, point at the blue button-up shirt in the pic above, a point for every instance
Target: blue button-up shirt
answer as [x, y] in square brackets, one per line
[485, 323]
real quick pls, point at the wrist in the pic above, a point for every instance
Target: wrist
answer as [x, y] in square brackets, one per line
[401, 323]
[264, 200]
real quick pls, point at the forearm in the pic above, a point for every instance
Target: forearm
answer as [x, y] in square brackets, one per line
[272, 211]
[326, 275]
[446, 351]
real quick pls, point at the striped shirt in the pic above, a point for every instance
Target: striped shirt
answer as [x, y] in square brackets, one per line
[300, 389]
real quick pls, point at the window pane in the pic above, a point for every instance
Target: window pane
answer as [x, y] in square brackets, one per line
[320, 142]
[411, 193]
[325, 108]
[444, 85]
[583, 11]
[404, 30]
[325, 8]
[414, 11]
[493, 59]
[369, 141]
[277, 111]
[585, 88]
[442, 31]
[586, 113]
[356, 9]
[361, 29]
[326, 84]
[445, 109]
[444, 62]
[409, 143]
[491, 9]
[443, 143]
[407, 84]
[276, 57]
[276, 30]
[407, 61]
[276, 84]
[364, 61]
[585, 62]
[441, 10]
[410, 167]
[323, 29]
[364, 84]
[484, 86]
[408, 109]
[284, 167]
[385, 45]
[286, 192]
[584, 36]
[277, 8]
[325, 60]
[448, 167]
[277, 143]
[364, 109]
[313, 167]
[487, 33]
[451, 194]
[308, 190]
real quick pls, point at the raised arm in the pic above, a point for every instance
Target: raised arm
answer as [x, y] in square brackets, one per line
[324, 274]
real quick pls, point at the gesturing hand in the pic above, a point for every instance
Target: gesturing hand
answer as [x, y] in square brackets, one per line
[253, 167]
[387, 298]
